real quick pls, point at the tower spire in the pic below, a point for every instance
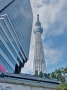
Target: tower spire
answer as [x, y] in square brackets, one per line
[38, 22]
[37, 17]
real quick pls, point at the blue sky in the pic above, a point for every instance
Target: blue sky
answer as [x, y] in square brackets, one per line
[53, 17]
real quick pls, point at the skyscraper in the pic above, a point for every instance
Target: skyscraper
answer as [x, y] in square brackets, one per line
[39, 60]
[15, 32]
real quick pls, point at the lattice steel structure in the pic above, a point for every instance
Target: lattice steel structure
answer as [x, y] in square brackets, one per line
[39, 60]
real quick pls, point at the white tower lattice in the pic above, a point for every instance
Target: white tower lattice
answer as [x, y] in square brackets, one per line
[39, 60]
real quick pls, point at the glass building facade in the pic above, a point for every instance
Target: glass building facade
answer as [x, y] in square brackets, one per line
[15, 33]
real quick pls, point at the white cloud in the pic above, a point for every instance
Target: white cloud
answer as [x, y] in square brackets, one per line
[49, 13]
[53, 56]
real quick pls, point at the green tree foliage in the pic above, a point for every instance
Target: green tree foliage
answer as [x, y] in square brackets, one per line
[36, 73]
[41, 74]
[62, 87]
[47, 75]
[65, 69]
[53, 75]
[59, 74]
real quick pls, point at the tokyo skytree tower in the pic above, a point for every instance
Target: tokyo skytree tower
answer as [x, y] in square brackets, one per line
[39, 59]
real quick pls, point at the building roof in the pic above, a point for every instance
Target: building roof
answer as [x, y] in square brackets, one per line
[30, 77]
[27, 79]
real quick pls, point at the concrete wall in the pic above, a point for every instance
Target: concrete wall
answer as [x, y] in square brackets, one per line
[7, 86]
